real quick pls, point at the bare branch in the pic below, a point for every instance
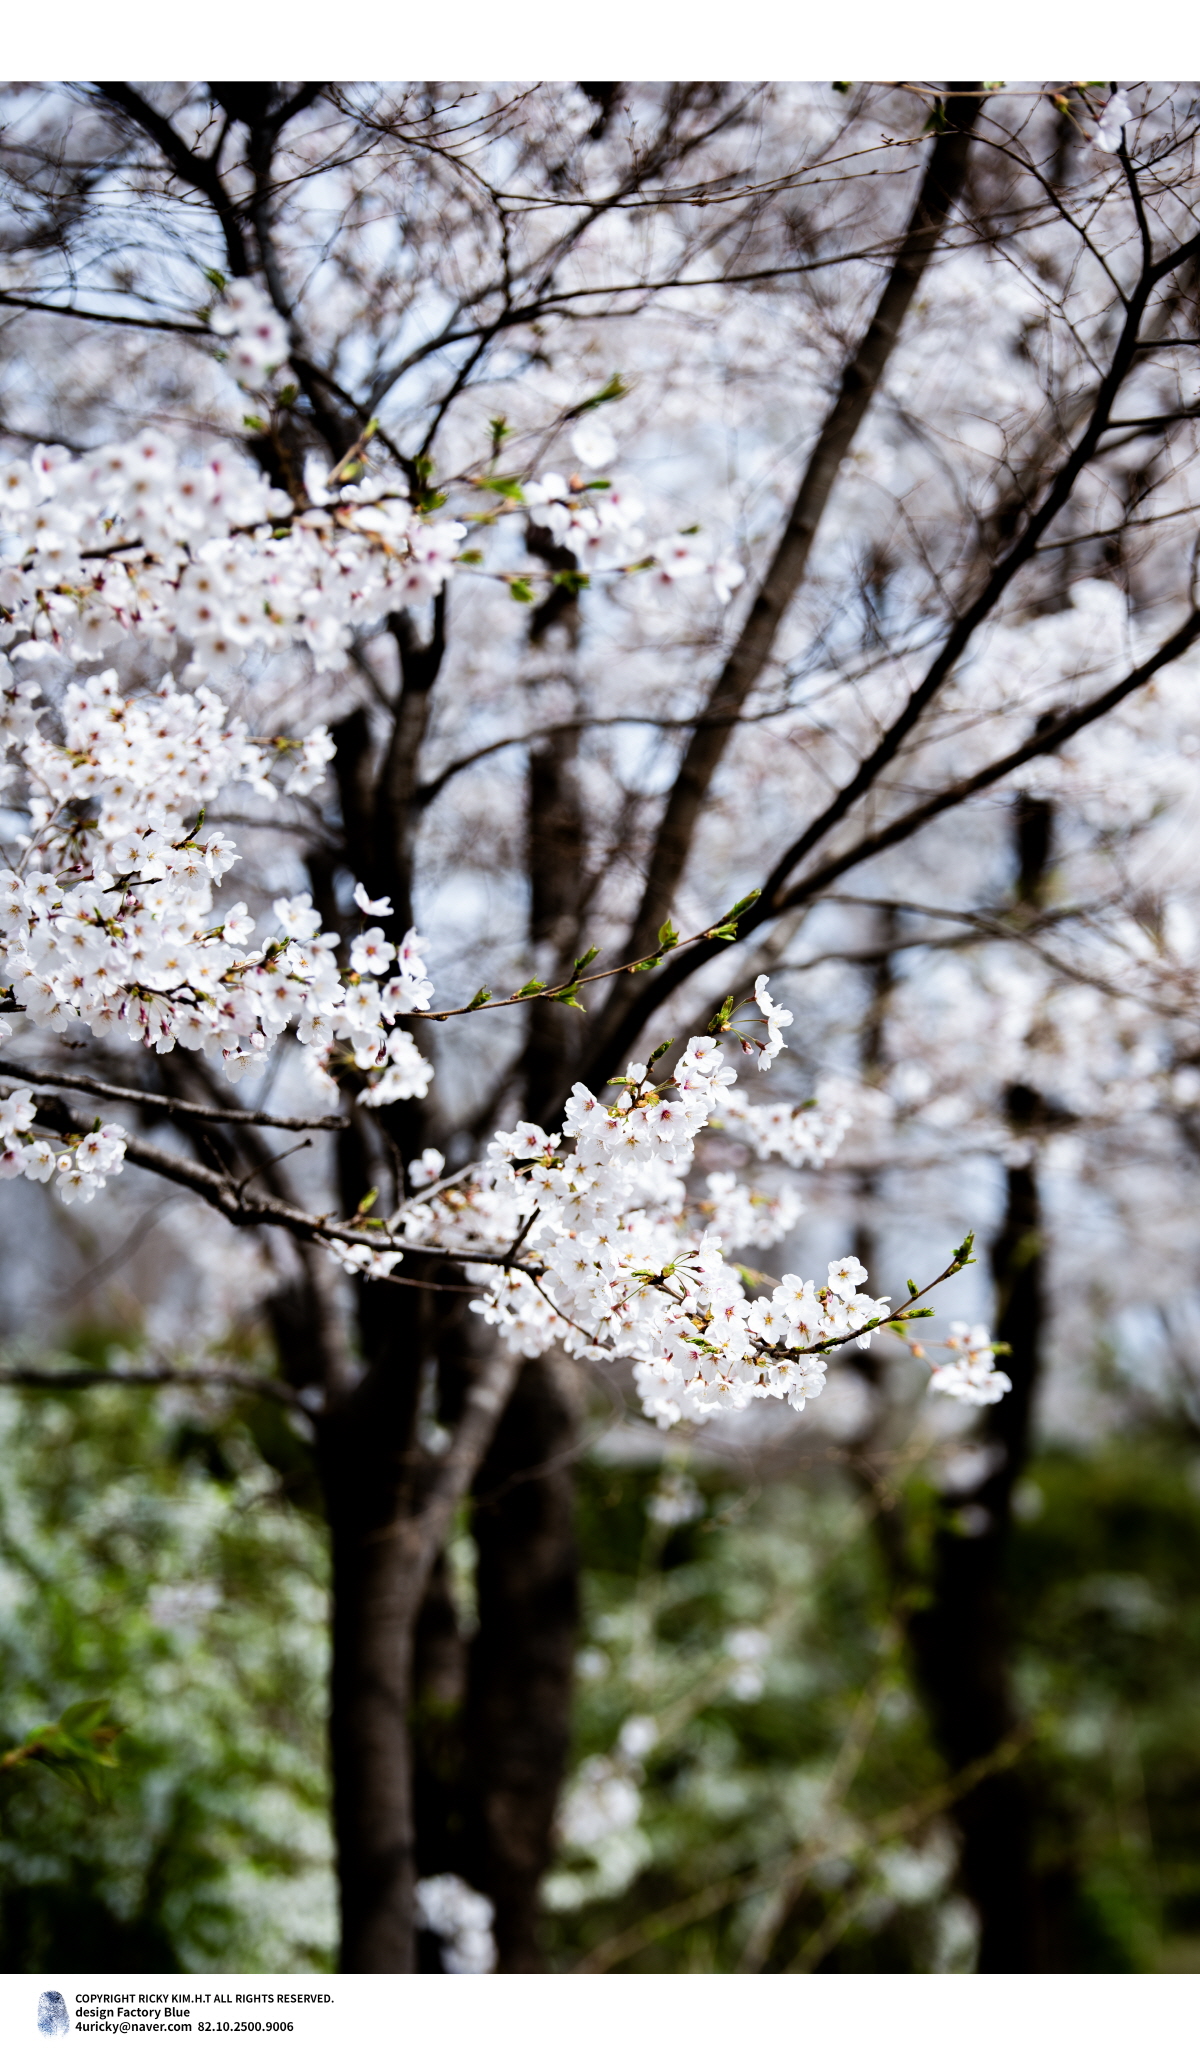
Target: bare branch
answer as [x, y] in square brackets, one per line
[860, 381]
[185, 1109]
[26, 1377]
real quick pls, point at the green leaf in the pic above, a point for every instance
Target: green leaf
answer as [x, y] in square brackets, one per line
[508, 488]
[571, 581]
[720, 1020]
[471, 556]
[936, 123]
[668, 935]
[660, 1051]
[499, 429]
[726, 928]
[365, 1204]
[567, 998]
[481, 998]
[255, 422]
[528, 991]
[520, 589]
[217, 279]
[289, 396]
[912, 1289]
[842, 85]
[616, 389]
[589, 956]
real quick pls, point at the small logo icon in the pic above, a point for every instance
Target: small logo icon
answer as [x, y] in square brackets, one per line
[52, 2014]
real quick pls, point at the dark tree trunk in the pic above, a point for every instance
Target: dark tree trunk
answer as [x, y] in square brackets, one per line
[961, 1640]
[366, 1455]
[522, 1656]
[516, 1722]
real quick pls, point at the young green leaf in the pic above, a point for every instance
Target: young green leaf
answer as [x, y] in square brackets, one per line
[720, 1020]
[616, 389]
[726, 928]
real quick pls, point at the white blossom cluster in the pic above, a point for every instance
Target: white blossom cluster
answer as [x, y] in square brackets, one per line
[258, 337]
[462, 1920]
[80, 1168]
[629, 1265]
[602, 530]
[619, 1259]
[798, 1135]
[972, 1376]
[109, 919]
[130, 538]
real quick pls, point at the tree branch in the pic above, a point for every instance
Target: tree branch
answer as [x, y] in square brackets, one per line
[198, 172]
[1043, 742]
[861, 379]
[33, 1074]
[26, 1377]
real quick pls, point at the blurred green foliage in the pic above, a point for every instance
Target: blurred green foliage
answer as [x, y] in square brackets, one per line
[754, 1782]
[805, 1828]
[149, 1558]
[79, 1747]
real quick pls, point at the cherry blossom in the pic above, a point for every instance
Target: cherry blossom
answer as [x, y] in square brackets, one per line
[591, 1237]
[972, 1376]
[130, 538]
